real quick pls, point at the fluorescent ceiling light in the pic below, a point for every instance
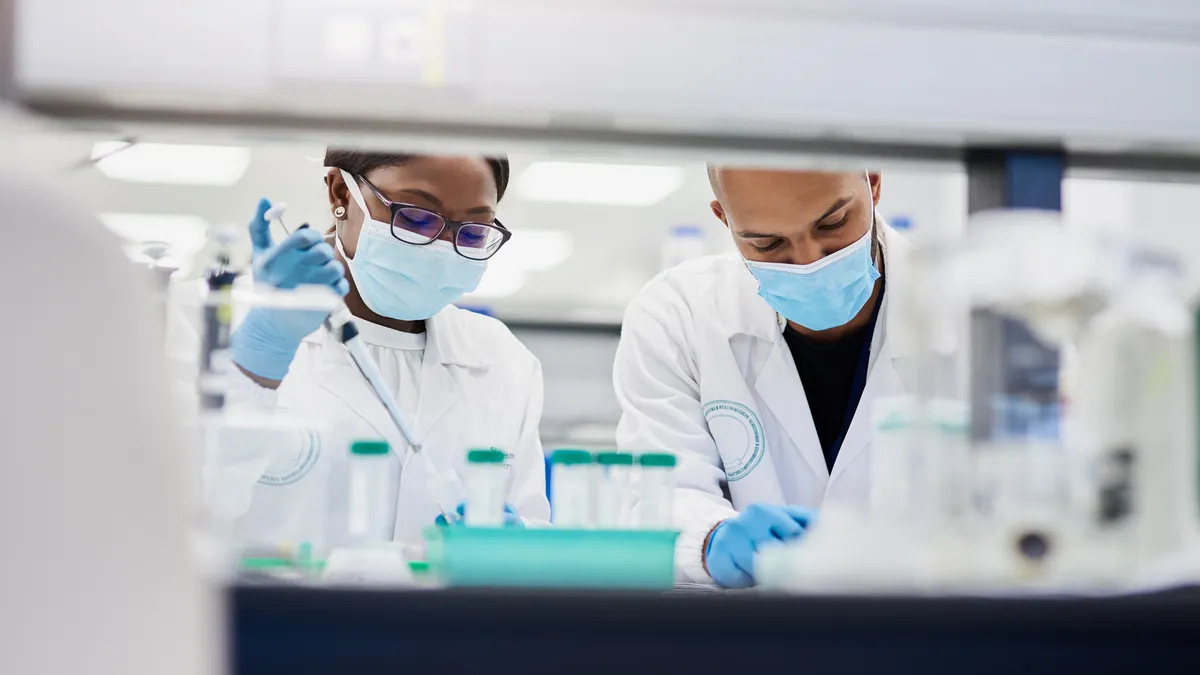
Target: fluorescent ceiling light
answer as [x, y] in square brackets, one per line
[179, 236]
[179, 231]
[535, 250]
[176, 164]
[614, 184]
[500, 282]
[528, 251]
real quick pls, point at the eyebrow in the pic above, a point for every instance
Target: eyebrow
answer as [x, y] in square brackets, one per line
[432, 199]
[828, 212]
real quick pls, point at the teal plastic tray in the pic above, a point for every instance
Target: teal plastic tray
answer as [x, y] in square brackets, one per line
[552, 557]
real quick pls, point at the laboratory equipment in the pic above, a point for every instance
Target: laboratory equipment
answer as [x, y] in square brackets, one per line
[487, 479]
[215, 360]
[374, 475]
[656, 498]
[1133, 418]
[555, 557]
[574, 477]
[613, 495]
[370, 555]
[383, 564]
[1096, 497]
[275, 214]
[920, 470]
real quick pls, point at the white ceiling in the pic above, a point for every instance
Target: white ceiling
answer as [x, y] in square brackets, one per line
[615, 249]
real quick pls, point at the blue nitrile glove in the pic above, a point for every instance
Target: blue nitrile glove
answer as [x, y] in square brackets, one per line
[511, 518]
[266, 342]
[729, 556]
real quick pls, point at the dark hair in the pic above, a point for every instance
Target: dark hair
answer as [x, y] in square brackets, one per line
[361, 163]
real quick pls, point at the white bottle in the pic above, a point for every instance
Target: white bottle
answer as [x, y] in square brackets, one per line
[374, 475]
[613, 491]
[486, 482]
[573, 476]
[657, 490]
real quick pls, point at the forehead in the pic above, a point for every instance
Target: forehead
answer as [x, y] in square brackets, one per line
[450, 178]
[764, 189]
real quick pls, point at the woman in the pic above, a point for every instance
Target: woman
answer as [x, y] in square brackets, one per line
[411, 235]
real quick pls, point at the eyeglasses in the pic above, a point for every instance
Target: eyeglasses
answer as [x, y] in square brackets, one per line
[421, 227]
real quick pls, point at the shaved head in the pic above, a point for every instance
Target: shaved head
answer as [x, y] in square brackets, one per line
[795, 217]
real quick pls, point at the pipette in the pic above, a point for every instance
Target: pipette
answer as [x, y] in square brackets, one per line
[444, 489]
[276, 213]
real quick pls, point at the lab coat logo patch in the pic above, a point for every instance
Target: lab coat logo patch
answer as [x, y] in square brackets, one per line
[303, 466]
[739, 436]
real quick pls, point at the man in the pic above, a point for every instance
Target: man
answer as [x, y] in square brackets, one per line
[759, 368]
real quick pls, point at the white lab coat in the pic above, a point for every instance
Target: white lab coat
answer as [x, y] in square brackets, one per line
[703, 370]
[479, 387]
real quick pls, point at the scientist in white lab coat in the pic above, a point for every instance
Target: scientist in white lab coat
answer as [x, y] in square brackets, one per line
[759, 368]
[412, 234]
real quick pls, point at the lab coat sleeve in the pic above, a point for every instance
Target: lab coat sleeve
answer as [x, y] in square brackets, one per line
[528, 490]
[656, 386]
[249, 441]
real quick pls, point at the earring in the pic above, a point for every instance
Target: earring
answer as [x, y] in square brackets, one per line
[339, 212]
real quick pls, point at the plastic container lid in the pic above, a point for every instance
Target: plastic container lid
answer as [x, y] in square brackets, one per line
[571, 457]
[686, 230]
[614, 458]
[369, 448]
[657, 459]
[485, 456]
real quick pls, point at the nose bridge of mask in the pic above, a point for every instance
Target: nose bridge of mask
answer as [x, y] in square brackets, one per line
[817, 265]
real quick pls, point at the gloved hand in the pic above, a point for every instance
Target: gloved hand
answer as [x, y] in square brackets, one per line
[729, 555]
[511, 518]
[266, 342]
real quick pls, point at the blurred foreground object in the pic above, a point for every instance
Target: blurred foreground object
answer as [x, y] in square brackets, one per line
[95, 508]
[1107, 504]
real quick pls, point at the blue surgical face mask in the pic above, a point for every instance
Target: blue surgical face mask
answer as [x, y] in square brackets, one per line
[823, 294]
[403, 281]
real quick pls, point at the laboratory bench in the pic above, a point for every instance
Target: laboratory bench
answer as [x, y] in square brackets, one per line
[280, 629]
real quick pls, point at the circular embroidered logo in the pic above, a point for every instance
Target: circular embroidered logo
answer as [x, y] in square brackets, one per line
[308, 460]
[739, 436]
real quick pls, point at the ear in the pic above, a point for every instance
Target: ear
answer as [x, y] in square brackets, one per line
[718, 211]
[876, 181]
[336, 191]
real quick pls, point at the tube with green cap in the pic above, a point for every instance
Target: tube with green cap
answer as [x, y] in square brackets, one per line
[573, 476]
[657, 483]
[373, 491]
[486, 479]
[613, 498]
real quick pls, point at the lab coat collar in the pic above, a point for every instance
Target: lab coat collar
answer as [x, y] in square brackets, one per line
[448, 343]
[448, 340]
[451, 342]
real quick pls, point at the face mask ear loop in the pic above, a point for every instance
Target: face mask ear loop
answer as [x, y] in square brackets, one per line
[355, 193]
[876, 240]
